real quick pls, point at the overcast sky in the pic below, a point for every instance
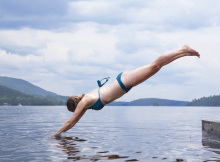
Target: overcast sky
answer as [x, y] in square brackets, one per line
[65, 46]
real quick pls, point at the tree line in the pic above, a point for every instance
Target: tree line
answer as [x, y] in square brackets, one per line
[206, 101]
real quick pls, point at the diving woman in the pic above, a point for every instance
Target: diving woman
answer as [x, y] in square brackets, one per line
[123, 83]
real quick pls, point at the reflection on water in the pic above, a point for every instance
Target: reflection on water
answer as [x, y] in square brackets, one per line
[71, 148]
[211, 142]
[118, 134]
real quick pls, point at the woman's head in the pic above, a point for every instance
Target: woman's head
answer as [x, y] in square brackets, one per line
[73, 101]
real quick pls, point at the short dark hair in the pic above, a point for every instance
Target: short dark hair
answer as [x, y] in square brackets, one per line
[73, 101]
[70, 103]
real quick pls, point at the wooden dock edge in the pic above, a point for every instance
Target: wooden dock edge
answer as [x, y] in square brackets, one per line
[211, 126]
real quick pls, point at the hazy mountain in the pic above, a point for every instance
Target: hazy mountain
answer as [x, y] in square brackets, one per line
[8, 91]
[150, 102]
[14, 97]
[28, 88]
[24, 86]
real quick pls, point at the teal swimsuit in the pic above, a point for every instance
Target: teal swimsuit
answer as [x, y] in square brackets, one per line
[98, 104]
[121, 84]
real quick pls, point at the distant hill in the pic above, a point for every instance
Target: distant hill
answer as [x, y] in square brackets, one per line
[27, 88]
[150, 102]
[24, 86]
[8, 91]
[206, 101]
[13, 97]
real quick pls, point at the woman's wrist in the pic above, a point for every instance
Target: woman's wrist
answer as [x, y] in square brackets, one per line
[64, 128]
[57, 134]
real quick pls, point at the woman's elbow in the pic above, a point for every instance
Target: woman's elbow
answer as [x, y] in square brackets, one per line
[69, 123]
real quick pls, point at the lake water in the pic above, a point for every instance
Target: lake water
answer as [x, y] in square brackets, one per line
[115, 133]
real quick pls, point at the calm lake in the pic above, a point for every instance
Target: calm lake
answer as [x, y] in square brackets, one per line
[148, 134]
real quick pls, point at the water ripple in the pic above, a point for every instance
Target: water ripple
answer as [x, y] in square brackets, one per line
[116, 133]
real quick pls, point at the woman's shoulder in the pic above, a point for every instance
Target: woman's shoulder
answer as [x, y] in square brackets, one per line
[89, 99]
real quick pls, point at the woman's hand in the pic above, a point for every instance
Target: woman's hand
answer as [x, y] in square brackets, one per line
[54, 135]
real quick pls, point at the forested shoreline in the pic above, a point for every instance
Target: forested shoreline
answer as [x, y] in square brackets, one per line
[40, 97]
[206, 101]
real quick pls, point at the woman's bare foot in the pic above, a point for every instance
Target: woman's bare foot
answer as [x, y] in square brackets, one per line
[191, 51]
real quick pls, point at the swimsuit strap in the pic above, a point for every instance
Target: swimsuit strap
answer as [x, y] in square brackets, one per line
[121, 84]
[101, 84]
[99, 92]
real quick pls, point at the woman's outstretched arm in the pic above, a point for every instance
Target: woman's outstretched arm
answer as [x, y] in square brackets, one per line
[79, 112]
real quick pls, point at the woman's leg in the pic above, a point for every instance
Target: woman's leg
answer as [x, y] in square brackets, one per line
[137, 76]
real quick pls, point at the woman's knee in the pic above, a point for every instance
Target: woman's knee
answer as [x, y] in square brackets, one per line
[155, 66]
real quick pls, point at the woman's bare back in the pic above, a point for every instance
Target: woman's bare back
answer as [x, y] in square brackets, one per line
[108, 93]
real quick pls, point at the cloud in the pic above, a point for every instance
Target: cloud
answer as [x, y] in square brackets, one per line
[22, 42]
[132, 38]
[40, 7]
[35, 14]
[66, 46]
[79, 59]
[153, 15]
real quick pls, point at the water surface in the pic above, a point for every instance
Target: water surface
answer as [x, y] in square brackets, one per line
[115, 133]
